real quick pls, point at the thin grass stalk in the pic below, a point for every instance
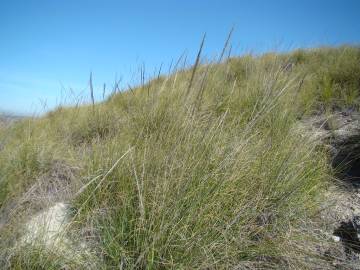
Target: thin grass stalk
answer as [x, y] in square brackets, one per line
[195, 66]
[91, 90]
[104, 90]
[226, 45]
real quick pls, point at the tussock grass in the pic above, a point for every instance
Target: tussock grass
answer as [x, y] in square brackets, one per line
[204, 168]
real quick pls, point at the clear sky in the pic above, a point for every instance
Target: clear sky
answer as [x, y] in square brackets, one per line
[49, 47]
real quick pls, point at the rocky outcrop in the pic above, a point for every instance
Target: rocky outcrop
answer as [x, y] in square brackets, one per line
[339, 133]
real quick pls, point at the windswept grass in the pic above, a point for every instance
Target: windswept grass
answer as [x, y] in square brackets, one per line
[204, 168]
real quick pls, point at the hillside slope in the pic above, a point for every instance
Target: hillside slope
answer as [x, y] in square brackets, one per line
[205, 168]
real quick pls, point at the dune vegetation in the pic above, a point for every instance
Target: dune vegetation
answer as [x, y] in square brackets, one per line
[204, 168]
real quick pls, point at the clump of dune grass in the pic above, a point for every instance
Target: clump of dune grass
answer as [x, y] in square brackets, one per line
[203, 168]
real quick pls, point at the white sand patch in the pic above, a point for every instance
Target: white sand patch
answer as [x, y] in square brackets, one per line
[48, 227]
[47, 230]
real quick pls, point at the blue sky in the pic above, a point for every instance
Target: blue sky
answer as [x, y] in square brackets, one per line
[49, 47]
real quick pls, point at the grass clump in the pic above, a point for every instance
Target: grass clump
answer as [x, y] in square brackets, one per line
[202, 169]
